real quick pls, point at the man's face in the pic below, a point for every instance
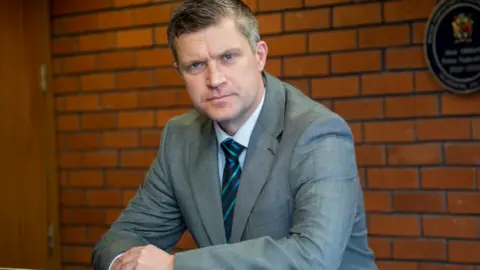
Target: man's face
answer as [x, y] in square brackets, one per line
[222, 73]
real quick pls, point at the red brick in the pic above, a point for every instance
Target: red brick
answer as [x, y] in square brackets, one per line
[64, 45]
[370, 155]
[127, 195]
[66, 84]
[125, 3]
[357, 131]
[94, 234]
[136, 119]
[85, 178]
[115, 61]
[382, 247]
[403, 58]
[252, 4]
[98, 82]
[268, 5]
[72, 197]
[356, 62]
[424, 82]
[61, 7]
[397, 265]
[186, 242]
[104, 198]
[307, 19]
[419, 202]
[408, 10]
[464, 202]
[387, 83]
[134, 38]
[168, 77]
[76, 24]
[414, 154]
[274, 67]
[324, 2]
[115, 19]
[83, 141]
[82, 103]
[112, 215]
[161, 35]
[98, 121]
[286, 44]
[444, 266]
[357, 14]
[411, 106]
[152, 15]
[464, 251]
[84, 216]
[462, 154]
[383, 36]
[452, 227]
[419, 32]
[119, 139]
[96, 42]
[67, 122]
[389, 131]
[101, 159]
[448, 178]
[119, 101]
[457, 104]
[269, 23]
[137, 158]
[419, 249]
[152, 58]
[125, 178]
[377, 201]
[359, 108]
[134, 79]
[335, 40]
[73, 235]
[393, 225]
[306, 65]
[78, 64]
[392, 178]
[476, 128]
[69, 160]
[150, 138]
[76, 254]
[163, 116]
[157, 98]
[443, 129]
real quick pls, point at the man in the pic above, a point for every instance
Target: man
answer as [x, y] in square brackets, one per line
[262, 176]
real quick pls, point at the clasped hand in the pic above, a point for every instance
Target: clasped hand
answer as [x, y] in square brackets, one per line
[144, 258]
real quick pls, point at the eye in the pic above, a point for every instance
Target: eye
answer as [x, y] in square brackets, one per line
[228, 56]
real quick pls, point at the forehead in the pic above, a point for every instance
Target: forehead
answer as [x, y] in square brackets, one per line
[210, 41]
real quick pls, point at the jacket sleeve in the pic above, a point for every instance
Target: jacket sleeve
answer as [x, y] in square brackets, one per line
[151, 217]
[325, 179]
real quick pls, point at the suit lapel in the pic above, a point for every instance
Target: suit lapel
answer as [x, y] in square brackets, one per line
[205, 183]
[260, 154]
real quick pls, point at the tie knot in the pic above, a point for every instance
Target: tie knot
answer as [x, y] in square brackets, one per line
[232, 149]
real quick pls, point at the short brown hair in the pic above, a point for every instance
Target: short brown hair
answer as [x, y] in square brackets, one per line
[195, 15]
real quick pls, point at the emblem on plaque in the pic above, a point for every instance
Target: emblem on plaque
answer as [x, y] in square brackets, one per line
[452, 45]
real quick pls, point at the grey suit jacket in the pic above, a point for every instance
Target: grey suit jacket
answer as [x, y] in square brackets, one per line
[299, 205]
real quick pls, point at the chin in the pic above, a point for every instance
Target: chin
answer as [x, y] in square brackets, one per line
[221, 115]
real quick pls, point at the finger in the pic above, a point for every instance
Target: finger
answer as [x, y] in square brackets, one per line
[130, 255]
[130, 265]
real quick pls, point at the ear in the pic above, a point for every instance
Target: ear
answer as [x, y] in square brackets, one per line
[261, 54]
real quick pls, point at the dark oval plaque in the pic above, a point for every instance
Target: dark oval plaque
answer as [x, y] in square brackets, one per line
[452, 45]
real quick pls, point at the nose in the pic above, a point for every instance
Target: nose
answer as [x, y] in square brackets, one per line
[215, 76]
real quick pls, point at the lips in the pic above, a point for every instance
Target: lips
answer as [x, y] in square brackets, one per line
[217, 98]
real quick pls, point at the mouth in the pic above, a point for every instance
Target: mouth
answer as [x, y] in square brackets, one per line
[218, 97]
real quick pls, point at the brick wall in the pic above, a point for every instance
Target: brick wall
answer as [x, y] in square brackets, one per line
[418, 146]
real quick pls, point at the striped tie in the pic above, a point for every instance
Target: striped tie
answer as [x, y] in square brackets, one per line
[231, 181]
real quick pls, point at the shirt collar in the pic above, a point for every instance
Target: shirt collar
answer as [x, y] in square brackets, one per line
[243, 134]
